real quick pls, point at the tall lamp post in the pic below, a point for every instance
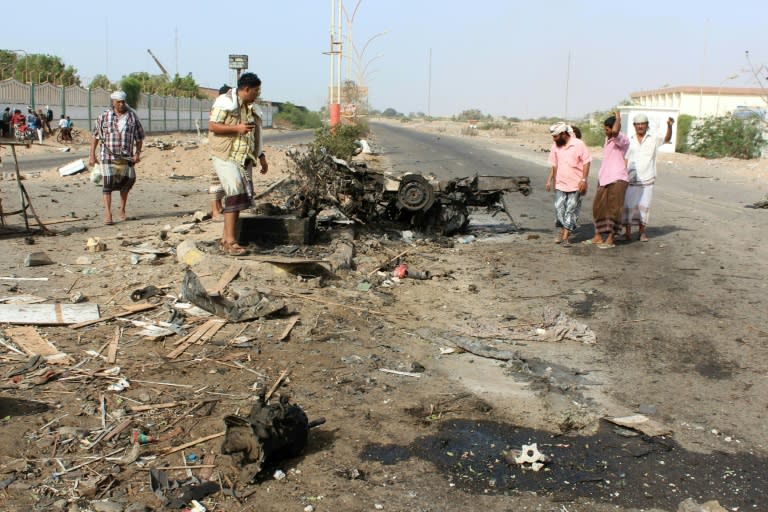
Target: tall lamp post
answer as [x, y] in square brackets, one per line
[26, 63]
[719, 89]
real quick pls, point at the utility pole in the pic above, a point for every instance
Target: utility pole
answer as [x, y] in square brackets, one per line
[567, 85]
[429, 84]
[335, 53]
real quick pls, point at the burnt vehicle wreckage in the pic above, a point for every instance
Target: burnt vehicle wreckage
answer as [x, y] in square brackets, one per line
[425, 204]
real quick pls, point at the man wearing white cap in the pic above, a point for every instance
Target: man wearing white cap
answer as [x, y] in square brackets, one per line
[569, 161]
[641, 167]
[121, 136]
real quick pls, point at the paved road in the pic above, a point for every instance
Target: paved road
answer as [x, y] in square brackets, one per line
[681, 193]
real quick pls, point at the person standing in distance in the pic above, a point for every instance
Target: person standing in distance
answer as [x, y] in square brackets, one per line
[569, 161]
[641, 170]
[236, 146]
[120, 135]
[608, 205]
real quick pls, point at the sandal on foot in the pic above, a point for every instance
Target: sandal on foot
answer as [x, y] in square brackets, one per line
[232, 248]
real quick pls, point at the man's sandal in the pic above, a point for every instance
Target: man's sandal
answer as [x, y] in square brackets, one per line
[232, 248]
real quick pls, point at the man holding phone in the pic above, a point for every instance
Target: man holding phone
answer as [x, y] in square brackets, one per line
[236, 144]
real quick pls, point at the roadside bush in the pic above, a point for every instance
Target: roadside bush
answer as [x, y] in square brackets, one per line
[717, 137]
[341, 142]
[593, 135]
[684, 122]
[492, 125]
[297, 117]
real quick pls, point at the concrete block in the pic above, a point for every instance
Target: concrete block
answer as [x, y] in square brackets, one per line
[278, 229]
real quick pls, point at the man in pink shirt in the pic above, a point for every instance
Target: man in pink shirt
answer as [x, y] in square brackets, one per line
[608, 205]
[569, 161]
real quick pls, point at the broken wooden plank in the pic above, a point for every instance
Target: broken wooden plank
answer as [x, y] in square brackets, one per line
[119, 428]
[60, 220]
[30, 341]
[184, 446]
[198, 333]
[47, 314]
[386, 263]
[166, 405]
[127, 310]
[398, 372]
[201, 335]
[112, 352]
[225, 279]
[292, 321]
[275, 385]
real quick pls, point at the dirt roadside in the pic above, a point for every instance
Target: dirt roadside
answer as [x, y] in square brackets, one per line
[679, 339]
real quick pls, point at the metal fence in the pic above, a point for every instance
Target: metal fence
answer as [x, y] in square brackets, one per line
[83, 106]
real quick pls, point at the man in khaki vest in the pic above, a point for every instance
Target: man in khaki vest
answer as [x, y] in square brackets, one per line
[236, 145]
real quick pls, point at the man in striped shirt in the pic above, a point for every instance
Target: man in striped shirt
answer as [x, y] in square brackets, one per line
[119, 133]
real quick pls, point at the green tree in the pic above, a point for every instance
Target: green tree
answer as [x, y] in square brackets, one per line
[103, 82]
[132, 88]
[474, 113]
[390, 112]
[35, 67]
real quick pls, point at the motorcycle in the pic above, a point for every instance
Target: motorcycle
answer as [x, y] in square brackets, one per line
[24, 133]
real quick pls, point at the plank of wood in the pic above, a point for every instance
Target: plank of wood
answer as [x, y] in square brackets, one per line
[127, 310]
[225, 279]
[47, 314]
[203, 334]
[30, 341]
[60, 220]
[292, 321]
[166, 405]
[198, 333]
[112, 352]
[184, 446]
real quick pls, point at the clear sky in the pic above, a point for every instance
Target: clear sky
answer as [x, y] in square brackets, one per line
[504, 57]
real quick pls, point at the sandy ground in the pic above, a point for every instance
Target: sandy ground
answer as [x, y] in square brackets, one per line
[435, 437]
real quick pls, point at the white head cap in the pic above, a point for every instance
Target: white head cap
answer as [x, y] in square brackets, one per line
[118, 95]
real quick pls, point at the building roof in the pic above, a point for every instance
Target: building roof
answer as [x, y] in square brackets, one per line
[696, 89]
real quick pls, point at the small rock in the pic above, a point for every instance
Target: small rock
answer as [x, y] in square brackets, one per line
[107, 506]
[309, 508]
[378, 506]
[84, 260]
[279, 475]
[690, 505]
[59, 505]
[77, 298]
[95, 245]
[37, 259]
[201, 216]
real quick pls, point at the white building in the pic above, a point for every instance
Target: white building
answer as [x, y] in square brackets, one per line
[702, 101]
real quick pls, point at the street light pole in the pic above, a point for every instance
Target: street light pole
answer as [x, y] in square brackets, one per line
[719, 89]
[26, 63]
